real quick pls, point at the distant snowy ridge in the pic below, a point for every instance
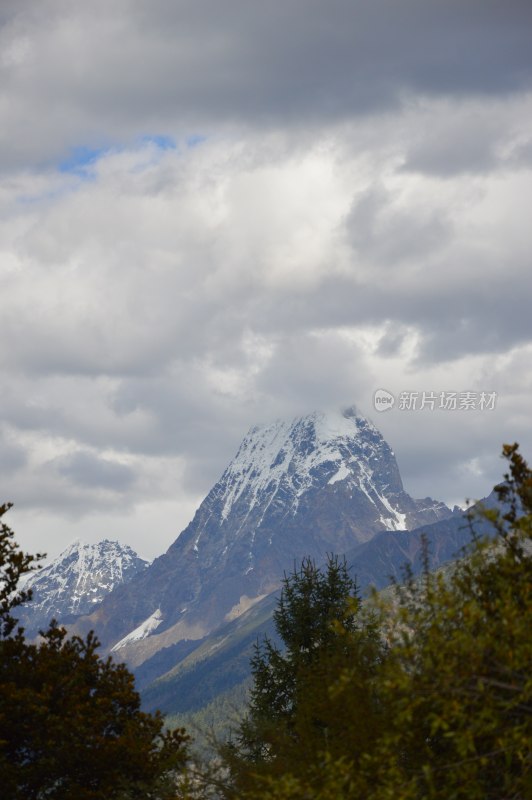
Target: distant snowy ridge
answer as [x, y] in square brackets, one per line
[77, 581]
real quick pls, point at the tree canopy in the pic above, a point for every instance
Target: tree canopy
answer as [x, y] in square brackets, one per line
[71, 727]
[427, 693]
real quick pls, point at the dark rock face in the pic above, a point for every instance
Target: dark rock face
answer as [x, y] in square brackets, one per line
[321, 483]
[76, 582]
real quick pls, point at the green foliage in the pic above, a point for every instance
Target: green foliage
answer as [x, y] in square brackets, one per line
[213, 723]
[459, 676]
[443, 711]
[291, 717]
[70, 722]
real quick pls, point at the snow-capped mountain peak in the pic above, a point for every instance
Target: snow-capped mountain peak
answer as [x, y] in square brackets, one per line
[321, 483]
[294, 456]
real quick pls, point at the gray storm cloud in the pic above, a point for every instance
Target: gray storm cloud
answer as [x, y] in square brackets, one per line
[213, 215]
[104, 72]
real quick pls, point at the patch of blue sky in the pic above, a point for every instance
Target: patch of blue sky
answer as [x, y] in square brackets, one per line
[76, 169]
[157, 145]
[164, 142]
[81, 160]
[161, 141]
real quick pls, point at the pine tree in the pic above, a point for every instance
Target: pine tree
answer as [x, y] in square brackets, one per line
[291, 718]
[13, 565]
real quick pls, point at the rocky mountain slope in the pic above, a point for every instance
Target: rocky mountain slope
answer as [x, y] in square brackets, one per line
[76, 582]
[320, 483]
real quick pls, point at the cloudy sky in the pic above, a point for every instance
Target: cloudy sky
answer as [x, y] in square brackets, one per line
[215, 213]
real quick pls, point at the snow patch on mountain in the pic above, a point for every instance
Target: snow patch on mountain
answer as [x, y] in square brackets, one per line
[342, 473]
[397, 522]
[144, 630]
